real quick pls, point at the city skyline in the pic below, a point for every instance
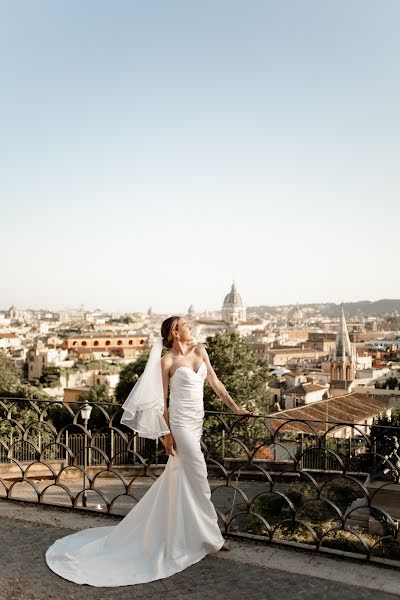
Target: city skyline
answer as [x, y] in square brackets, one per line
[99, 307]
[153, 153]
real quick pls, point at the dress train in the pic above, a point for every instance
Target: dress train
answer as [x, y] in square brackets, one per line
[173, 526]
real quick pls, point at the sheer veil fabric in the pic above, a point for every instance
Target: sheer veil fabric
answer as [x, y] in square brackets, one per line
[144, 407]
[174, 525]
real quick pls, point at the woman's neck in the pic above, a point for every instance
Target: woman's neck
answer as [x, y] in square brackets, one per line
[180, 348]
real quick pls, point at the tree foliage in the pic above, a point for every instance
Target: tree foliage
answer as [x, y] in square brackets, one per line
[242, 372]
[383, 429]
[129, 375]
[50, 376]
[390, 383]
[245, 377]
[97, 393]
[11, 386]
[9, 376]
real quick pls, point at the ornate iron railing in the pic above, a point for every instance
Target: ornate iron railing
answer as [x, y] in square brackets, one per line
[327, 486]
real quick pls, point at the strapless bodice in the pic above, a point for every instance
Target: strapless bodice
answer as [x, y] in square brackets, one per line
[173, 526]
[186, 394]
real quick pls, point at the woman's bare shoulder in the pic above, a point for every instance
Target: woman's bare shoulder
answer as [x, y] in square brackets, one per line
[167, 359]
[200, 350]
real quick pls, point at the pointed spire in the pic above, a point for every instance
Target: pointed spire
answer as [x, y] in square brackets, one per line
[343, 347]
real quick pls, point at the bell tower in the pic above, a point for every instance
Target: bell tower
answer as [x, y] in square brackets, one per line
[343, 363]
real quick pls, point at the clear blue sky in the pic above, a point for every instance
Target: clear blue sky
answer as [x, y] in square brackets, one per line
[153, 151]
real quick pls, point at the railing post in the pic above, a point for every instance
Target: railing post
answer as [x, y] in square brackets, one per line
[67, 444]
[135, 442]
[84, 496]
[112, 449]
[302, 449]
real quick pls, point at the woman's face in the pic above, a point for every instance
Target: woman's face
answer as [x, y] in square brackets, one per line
[185, 330]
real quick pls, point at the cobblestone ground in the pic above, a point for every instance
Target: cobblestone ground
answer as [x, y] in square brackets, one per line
[24, 575]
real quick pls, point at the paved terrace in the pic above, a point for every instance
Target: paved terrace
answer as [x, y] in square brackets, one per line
[250, 571]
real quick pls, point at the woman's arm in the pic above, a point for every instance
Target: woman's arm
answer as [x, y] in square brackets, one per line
[168, 440]
[218, 386]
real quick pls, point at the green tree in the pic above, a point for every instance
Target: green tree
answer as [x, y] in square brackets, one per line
[383, 428]
[242, 372]
[50, 376]
[97, 393]
[9, 376]
[129, 375]
[391, 383]
[245, 377]
[11, 386]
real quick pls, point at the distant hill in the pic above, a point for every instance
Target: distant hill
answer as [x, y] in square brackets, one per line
[363, 308]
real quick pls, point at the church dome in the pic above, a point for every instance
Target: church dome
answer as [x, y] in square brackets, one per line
[233, 309]
[233, 298]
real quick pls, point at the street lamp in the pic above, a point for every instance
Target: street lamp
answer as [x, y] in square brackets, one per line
[86, 411]
[85, 414]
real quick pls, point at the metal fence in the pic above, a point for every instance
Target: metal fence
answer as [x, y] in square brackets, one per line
[333, 488]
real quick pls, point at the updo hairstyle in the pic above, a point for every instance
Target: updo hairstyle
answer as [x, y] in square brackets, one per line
[167, 327]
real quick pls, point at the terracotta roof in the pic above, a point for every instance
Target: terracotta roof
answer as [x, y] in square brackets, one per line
[110, 334]
[348, 408]
[305, 388]
[212, 322]
[296, 350]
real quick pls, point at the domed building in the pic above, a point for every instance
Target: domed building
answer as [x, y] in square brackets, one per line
[233, 309]
[13, 313]
[191, 313]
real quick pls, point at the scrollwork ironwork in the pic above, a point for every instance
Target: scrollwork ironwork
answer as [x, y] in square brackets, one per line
[284, 481]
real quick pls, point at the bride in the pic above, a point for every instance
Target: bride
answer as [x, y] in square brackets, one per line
[175, 524]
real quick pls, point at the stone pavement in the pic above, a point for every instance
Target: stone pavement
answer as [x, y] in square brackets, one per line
[250, 571]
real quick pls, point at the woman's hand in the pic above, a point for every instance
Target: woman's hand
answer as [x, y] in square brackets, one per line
[242, 411]
[169, 444]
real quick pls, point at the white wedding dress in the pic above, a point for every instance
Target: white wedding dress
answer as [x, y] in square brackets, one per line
[172, 527]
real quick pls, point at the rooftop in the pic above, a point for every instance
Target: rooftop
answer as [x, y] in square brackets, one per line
[233, 298]
[350, 408]
[305, 388]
